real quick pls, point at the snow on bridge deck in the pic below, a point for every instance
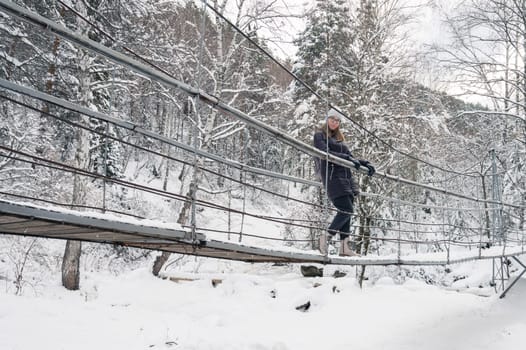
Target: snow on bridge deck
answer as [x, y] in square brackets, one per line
[30, 220]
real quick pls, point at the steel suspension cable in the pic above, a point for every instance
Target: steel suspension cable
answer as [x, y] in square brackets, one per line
[156, 152]
[272, 58]
[69, 204]
[178, 160]
[64, 167]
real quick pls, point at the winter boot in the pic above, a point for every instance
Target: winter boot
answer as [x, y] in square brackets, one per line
[322, 244]
[345, 250]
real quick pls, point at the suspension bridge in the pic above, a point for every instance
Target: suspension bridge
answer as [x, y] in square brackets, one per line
[465, 226]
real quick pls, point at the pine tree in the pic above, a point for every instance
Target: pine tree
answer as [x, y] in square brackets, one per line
[322, 50]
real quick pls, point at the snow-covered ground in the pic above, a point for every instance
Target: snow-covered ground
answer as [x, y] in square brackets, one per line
[254, 307]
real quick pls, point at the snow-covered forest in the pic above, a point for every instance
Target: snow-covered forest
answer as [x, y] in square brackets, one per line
[446, 113]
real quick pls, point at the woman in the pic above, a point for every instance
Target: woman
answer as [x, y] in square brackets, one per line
[337, 180]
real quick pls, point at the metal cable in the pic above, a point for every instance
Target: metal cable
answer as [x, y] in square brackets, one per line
[69, 205]
[64, 120]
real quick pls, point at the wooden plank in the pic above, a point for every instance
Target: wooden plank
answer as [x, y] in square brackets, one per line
[35, 226]
[31, 221]
[188, 249]
[26, 225]
[25, 210]
[8, 219]
[46, 229]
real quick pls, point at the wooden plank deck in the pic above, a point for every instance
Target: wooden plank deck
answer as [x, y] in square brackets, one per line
[29, 220]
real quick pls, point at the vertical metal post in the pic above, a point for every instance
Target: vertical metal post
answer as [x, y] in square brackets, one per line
[398, 215]
[325, 233]
[193, 185]
[107, 129]
[493, 279]
[446, 235]
[229, 212]
[106, 144]
[399, 211]
[481, 219]
[417, 227]
[242, 176]
[242, 182]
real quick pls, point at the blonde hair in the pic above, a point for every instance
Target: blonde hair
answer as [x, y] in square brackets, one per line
[336, 133]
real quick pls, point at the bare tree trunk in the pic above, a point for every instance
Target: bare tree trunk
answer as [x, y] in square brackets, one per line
[71, 260]
[71, 265]
[183, 216]
[365, 235]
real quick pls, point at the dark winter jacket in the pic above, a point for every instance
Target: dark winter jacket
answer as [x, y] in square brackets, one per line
[340, 180]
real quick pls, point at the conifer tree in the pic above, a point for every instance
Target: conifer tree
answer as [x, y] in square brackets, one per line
[323, 52]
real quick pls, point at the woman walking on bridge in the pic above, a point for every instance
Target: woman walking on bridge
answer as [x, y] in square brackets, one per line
[337, 180]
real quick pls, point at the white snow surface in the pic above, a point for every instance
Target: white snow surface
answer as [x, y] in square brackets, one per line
[135, 310]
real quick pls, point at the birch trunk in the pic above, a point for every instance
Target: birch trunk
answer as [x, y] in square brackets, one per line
[72, 253]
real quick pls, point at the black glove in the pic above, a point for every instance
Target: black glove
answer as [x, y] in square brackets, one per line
[355, 162]
[371, 169]
[352, 160]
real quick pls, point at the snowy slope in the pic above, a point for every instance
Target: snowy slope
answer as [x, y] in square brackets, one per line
[135, 310]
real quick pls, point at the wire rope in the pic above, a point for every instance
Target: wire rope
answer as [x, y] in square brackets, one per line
[212, 205]
[69, 204]
[156, 152]
[63, 167]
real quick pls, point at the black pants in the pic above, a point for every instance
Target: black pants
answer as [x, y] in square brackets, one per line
[342, 220]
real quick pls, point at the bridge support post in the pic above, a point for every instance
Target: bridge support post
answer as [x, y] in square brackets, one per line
[510, 285]
[500, 273]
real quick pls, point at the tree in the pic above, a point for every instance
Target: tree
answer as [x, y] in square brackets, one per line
[323, 49]
[485, 59]
[92, 91]
[225, 64]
